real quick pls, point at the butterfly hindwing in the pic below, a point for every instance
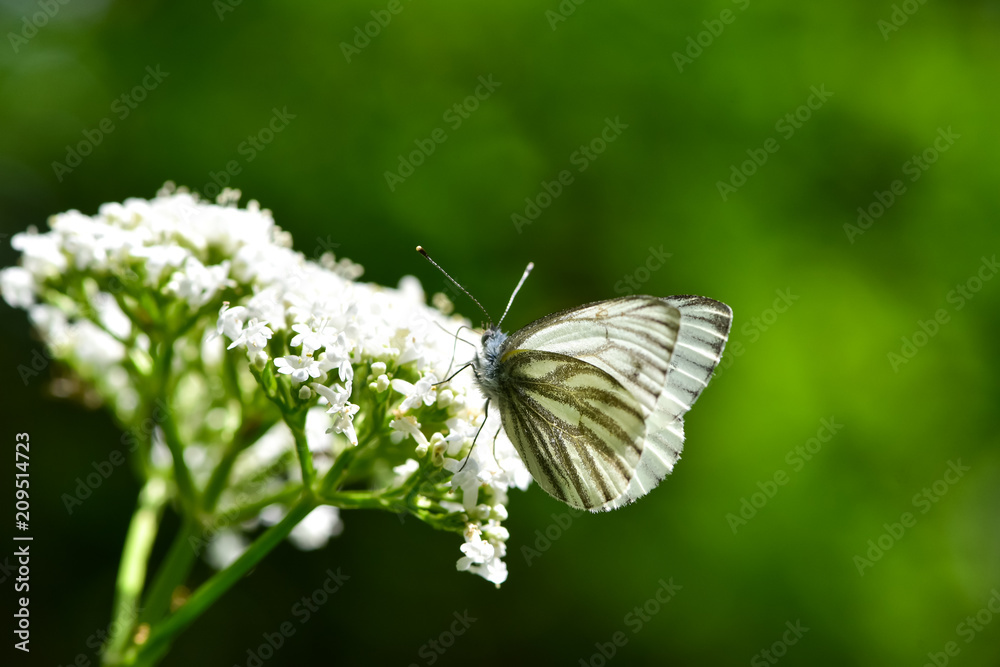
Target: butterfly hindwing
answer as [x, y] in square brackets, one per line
[578, 430]
[701, 338]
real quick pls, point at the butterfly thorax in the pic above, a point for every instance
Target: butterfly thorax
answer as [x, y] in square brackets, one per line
[487, 364]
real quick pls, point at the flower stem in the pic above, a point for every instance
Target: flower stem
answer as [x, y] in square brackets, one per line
[297, 423]
[132, 571]
[214, 588]
[182, 476]
[172, 572]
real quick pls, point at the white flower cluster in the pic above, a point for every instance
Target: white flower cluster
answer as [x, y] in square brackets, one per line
[350, 353]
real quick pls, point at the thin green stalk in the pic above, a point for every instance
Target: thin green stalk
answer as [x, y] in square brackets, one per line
[297, 423]
[132, 571]
[182, 476]
[223, 580]
[174, 569]
[333, 478]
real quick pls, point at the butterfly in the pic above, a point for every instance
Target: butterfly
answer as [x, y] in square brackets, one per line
[593, 398]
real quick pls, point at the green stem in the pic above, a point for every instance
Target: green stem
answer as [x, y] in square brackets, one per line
[297, 423]
[132, 571]
[334, 477]
[182, 476]
[358, 500]
[215, 587]
[172, 572]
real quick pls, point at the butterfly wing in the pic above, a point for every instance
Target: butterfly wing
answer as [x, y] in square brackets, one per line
[662, 351]
[577, 429]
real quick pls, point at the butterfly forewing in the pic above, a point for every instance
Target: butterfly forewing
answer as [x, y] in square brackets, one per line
[660, 351]
[578, 430]
[631, 339]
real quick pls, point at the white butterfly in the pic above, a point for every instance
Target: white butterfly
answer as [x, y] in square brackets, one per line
[593, 398]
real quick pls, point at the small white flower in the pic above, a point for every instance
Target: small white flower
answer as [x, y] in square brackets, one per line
[335, 397]
[158, 258]
[482, 557]
[477, 551]
[230, 322]
[337, 355]
[254, 336]
[403, 472]
[41, 254]
[344, 422]
[300, 367]
[309, 339]
[381, 383]
[465, 478]
[344, 412]
[445, 398]
[422, 392]
[197, 284]
[494, 531]
[408, 426]
[18, 287]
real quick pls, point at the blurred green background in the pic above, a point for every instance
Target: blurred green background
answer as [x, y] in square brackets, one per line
[857, 295]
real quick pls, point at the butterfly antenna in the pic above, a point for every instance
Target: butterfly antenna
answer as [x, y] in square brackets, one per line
[457, 284]
[524, 277]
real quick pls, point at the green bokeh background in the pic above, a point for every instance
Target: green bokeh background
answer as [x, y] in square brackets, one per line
[655, 186]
